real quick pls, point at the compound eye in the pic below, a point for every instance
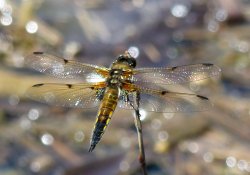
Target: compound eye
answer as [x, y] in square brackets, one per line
[132, 63]
[121, 58]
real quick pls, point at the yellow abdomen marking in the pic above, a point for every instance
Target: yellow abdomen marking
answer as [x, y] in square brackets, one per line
[105, 112]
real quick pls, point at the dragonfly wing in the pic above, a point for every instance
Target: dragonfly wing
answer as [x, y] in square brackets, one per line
[62, 68]
[82, 95]
[174, 102]
[165, 101]
[174, 75]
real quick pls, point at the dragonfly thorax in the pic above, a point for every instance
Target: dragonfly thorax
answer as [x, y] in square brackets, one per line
[115, 77]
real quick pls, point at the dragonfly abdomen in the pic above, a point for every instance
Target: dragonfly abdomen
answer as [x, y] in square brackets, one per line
[105, 112]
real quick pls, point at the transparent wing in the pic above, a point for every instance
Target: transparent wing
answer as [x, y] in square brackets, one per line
[63, 68]
[174, 75]
[164, 101]
[69, 95]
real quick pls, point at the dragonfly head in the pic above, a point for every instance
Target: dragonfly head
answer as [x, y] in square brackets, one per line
[127, 58]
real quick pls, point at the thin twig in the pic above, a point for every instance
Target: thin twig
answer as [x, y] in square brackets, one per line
[138, 126]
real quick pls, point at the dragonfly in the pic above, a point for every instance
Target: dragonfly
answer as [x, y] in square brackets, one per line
[116, 86]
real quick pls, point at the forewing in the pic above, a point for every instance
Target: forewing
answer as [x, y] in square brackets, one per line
[164, 101]
[174, 75]
[69, 95]
[62, 68]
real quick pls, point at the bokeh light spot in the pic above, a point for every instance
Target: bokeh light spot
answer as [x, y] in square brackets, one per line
[31, 27]
[33, 114]
[134, 51]
[47, 139]
[6, 20]
[231, 161]
[79, 136]
[179, 10]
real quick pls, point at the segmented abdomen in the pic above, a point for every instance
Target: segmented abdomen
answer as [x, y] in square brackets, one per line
[105, 112]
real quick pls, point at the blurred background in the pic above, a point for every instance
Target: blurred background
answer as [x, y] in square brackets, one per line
[39, 139]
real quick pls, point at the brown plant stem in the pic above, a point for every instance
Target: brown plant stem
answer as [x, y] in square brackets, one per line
[138, 125]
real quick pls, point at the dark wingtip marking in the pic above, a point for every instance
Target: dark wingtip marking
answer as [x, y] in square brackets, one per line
[173, 68]
[69, 85]
[38, 85]
[65, 61]
[202, 97]
[92, 88]
[207, 64]
[164, 92]
[38, 53]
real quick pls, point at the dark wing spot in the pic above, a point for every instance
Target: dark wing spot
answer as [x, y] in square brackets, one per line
[164, 92]
[207, 64]
[69, 85]
[173, 68]
[38, 85]
[202, 97]
[92, 88]
[65, 61]
[38, 53]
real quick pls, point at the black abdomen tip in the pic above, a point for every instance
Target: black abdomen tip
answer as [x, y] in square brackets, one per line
[92, 147]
